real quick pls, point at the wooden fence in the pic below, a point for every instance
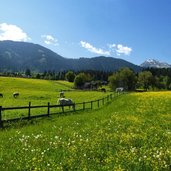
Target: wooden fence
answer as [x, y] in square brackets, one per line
[63, 108]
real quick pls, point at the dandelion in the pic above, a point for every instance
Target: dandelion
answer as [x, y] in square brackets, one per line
[37, 136]
[18, 132]
[157, 156]
[56, 137]
[133, 149]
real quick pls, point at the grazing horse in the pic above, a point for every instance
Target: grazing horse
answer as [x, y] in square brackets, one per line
[15, 94]
[1, 95]
[119, 90]
[61, 94]
[66, 102]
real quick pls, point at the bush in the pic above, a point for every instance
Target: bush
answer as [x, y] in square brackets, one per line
[70, 76]
[80, 80]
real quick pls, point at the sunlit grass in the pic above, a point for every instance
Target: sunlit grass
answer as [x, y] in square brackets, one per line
[131, 133]
[40, 92]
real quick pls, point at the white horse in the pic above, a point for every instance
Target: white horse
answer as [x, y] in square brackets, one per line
[61, 94]
[15, 94]
[66, 102]
[119, 90]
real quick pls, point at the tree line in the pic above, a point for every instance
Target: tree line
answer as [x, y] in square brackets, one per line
[149, 78]
[62, 75]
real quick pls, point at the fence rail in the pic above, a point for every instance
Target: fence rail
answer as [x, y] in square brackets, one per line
[64, 108]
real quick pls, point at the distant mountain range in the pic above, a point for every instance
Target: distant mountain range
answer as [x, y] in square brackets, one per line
[152, 63]
[18, 56]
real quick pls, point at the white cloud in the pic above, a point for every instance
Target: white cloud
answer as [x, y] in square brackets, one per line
[93, 49]
[123, 49]
[50, 40]
[120, 49]
[12, 32]
[117, 49]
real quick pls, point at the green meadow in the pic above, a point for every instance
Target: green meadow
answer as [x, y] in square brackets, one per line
[40, 92]
[132, 132]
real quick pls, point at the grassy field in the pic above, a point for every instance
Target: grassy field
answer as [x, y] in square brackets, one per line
[133, 132]
[39, 92]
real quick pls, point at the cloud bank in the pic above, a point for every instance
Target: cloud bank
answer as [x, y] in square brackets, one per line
[12, 32]
[50, 40]
[120, 49]
[113, 49]
[93, 49]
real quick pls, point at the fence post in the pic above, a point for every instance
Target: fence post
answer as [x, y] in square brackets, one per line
[74, 107]
[98, 103]
[110, 96]
[48, 110]
[107, 97]
[91, 104]
[1, 122]
[63, 108]
[103, 100]
[29, 110]
[83, 105]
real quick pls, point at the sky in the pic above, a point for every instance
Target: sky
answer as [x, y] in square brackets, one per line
[133, 30]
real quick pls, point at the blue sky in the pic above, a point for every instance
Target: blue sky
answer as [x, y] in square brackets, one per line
[134, 30]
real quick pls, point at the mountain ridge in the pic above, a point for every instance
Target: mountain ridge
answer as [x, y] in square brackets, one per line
[17, 56]
[153, 63]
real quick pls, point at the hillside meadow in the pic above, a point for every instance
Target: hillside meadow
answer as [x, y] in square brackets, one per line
[131, 132]
[40, 92]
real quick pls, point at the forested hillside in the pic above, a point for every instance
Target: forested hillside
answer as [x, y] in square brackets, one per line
[18, 56]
